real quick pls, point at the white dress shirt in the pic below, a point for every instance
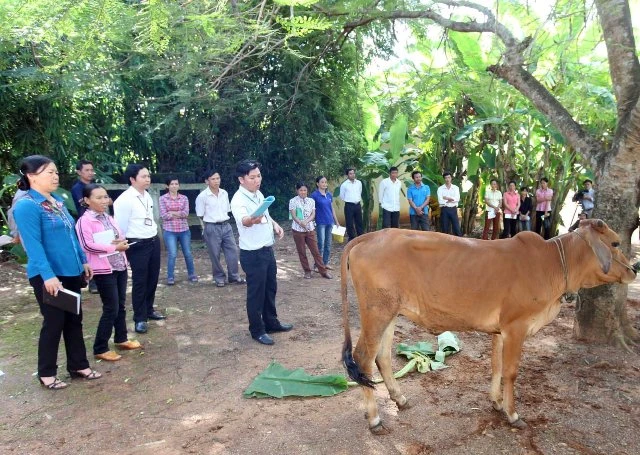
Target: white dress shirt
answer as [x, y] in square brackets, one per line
[213, 208]
[351, 191]
[452, 192]
[132, 211]
[389, 194]
[256, 236]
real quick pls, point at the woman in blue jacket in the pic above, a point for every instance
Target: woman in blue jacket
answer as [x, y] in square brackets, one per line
[55, 261]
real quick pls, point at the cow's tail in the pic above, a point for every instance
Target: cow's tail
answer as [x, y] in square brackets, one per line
[347, 355]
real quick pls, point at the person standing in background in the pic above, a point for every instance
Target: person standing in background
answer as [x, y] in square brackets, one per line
[588, 198]
[212, 206]
[544, 196]
[351, 194]
[448, 198]
[526, 205]
[133, 211]
[86, 174]
[493, 201]
[389, 195]
[325, 218]
[257, 237]
[418, 196]
[55, 262]
[174, 212]
[511, 203]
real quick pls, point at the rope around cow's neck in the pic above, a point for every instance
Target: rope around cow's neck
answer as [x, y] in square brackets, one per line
[563, 261]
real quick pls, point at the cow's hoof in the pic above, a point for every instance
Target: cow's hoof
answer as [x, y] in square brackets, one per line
[379, 429]
[406, 405]
[519, 424]
[496, 406]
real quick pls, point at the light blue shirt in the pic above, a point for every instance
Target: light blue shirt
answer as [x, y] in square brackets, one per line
[418, 196]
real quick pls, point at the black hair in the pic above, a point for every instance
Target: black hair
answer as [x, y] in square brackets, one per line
[413, 174]
[524, 188]
[81, 163]
[445, 173]
[318, 178]
[300, 185]
[512, 181]
[392, 168]
[493, 180]
[245, 166]
[587, 181]
[132, 171]
[170, 179]
[544, 179]
[349, 169]
[87, 190]
[208, 173]
[32, 164]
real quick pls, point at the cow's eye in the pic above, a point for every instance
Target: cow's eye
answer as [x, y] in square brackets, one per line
[615, 244]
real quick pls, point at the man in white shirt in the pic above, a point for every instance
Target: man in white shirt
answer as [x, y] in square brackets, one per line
[257, 236]
[389, 196]
[448, 198]
[351, 194]
[212, 206]
[133, 211]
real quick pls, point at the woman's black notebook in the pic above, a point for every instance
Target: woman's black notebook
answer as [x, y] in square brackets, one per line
[65, 300]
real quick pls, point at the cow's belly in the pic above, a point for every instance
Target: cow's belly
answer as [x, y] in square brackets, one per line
[461, 319]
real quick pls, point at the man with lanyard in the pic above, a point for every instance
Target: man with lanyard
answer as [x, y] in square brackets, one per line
[257, 236]
[84, 169]
[351, 194]
[133, 211]
[212, 207]
[389, 195]
[448, 198]
[418, 196]
[588, 197]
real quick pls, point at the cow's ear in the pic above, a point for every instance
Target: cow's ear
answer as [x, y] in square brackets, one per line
[603, 253]
[599, 226]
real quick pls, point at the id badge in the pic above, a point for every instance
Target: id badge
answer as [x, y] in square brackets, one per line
[148, 222]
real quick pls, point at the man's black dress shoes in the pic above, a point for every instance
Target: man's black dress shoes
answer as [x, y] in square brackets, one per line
[280, 328]
[156, 316]
[141, 327]
[264, 339]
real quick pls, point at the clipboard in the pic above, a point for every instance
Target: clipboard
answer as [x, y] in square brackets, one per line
[65, 300]
[263, 207]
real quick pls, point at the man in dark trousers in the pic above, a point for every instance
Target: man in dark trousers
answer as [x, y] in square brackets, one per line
[351, 194]
[257, 236]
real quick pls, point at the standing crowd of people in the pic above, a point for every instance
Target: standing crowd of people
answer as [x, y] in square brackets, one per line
[100, 248]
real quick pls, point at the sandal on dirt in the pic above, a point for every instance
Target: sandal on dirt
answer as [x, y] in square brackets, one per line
[87, 376]
[57, 384]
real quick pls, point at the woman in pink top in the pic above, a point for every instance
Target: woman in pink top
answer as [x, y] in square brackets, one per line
[544, 195]
[109, 266]
[511, 202]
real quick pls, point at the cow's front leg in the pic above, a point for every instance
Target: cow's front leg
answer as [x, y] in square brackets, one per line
[496, 372]
[512, 351]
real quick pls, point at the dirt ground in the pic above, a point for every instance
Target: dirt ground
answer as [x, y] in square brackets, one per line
[183, 393]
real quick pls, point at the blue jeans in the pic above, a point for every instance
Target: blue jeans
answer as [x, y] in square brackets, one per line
[324, 241]
[171, 243]
[525, 225]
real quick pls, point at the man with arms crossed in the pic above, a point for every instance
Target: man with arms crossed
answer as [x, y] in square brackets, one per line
[257, 236]
[389, 195]
[418, 196]
[448, 198]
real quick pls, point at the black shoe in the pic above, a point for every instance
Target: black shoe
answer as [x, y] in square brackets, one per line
[141, 327]
[265, 339]
[280, 328]
[156, 316]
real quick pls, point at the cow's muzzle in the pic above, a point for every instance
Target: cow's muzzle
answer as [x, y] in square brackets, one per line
[636, 267]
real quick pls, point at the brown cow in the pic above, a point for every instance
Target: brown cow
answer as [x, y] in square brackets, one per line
[441, 283]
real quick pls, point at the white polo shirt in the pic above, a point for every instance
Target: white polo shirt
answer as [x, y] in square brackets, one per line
[351, 191]
[452, 192]
[213, 208]
[257, 236]
[389, 194]
[132, 210]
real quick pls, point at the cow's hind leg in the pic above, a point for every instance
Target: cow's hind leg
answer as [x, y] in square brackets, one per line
[511, 353]
[383, 360]
[496, 372]
[364, 354]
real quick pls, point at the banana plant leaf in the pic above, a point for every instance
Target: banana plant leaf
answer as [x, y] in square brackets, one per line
[423, 358]
[276, 381]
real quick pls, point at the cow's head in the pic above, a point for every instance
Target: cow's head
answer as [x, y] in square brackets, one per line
[613, 266]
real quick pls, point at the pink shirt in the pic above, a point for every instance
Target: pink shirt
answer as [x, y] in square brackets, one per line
[179, 204]
[543, 194]
[511, 200]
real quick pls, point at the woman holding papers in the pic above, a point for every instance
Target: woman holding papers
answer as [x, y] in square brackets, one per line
[56, 262]
[103, 243]
[303, 212]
